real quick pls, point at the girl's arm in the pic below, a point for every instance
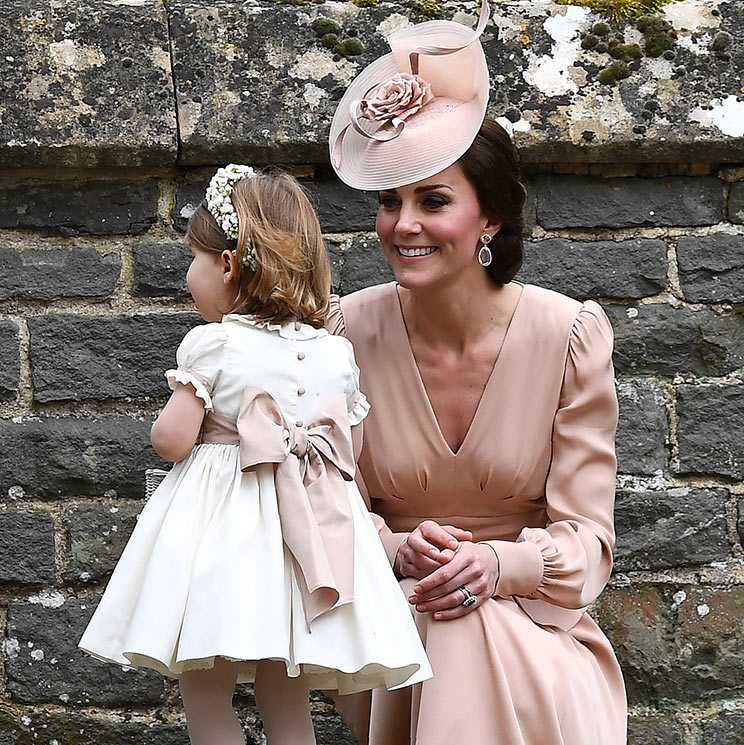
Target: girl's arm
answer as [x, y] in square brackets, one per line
[176, 430]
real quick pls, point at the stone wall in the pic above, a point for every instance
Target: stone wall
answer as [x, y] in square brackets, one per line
[112, 117]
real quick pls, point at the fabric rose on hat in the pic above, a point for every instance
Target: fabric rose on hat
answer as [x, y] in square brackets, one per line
[397, 98]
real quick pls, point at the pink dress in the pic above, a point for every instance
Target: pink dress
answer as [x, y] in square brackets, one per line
[535, 477]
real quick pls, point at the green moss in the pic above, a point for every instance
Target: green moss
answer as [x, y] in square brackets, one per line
[624, 52]
[600, 29]
[721, 41]
[616, 71]
[616, 10]
[589, 42]
[425, 10]
[323, 26]
[658, 35]
[365, 3]
[329, 40]
[349, 48]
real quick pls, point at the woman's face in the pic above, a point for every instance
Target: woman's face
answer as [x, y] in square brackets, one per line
[207, 283]
[430, 230]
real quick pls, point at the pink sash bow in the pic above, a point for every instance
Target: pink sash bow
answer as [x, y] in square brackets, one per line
[312, 463]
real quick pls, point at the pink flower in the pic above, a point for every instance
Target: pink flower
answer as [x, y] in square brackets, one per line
[399, 97]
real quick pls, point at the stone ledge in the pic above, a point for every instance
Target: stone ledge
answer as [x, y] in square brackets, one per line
[86, 84]
[253, 81]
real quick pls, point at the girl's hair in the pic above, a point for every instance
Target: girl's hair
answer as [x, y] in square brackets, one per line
[490, 164]
[276, 219]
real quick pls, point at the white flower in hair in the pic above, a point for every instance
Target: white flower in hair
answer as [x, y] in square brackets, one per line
[220, 204]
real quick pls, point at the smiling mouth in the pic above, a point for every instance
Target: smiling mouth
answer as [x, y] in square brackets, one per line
[417, 251]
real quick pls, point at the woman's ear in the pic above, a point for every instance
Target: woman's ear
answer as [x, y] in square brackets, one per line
[492, 228]
[228, 262]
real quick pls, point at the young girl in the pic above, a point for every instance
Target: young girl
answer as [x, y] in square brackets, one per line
[256, 559]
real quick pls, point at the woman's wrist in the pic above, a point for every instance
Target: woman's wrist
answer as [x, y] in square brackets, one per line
[498, 565]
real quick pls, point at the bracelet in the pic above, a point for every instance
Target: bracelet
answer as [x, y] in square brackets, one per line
[498, 564]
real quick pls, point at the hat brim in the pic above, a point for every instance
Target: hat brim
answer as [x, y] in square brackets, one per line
[432, 139]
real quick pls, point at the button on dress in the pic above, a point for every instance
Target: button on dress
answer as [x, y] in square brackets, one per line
[207, 573]
[535, 478]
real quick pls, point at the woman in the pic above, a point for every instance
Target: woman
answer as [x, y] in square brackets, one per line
[488, 454]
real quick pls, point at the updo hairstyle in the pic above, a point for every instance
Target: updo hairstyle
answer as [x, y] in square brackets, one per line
[490, 164]
[275, 217]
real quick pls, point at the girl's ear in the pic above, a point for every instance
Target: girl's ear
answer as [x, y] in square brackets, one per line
[228, 265]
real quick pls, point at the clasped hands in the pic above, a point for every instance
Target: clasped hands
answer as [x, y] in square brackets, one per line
[444, 558]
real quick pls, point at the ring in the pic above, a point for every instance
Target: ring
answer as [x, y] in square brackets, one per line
[469, 597]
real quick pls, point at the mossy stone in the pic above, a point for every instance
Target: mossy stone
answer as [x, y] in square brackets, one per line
[721, 42]
[625, 52]
[589, 41]
[324, 26]
[600, 29]
[618, 70]
[329, 40]
[350, 48]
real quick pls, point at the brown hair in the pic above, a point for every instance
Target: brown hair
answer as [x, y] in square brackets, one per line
[490, 164]
[275, 217]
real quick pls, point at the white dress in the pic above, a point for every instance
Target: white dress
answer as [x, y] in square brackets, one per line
[206, 571]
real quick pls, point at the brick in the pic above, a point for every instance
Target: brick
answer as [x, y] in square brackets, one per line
[586, 202]
[736, 203]
[96, 536]
[711, 268]
[26, 548]
[44, 274]
[676, 643]
[188, 197]
[77, 728]
[642, 430]
[81, 357]
[86, 84]
[10, 361]
[654, 729]
[363, 264]
[671, 528]
[724, 729]
[624, 269]
[659, 339]
[50, 457]
[73, 207]
[341, 208]
[711, 420]
[45, 663]
[160, 269]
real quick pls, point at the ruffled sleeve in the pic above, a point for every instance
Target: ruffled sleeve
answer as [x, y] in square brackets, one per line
[335, 321]
[356, 402]
[199, 361]
[568, 563]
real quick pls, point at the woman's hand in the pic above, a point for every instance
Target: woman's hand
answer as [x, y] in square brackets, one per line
[474, 566]
[428, 547]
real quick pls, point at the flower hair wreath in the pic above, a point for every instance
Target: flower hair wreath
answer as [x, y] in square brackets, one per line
[222, 209]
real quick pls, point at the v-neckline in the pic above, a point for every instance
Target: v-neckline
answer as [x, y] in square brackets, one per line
[422, 388]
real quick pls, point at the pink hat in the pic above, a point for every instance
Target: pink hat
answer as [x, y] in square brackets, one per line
[414, 112]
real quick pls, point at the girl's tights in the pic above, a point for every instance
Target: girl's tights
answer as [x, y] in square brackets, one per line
[282, 704]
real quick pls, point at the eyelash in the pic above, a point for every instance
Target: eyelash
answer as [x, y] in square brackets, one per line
[431, 202]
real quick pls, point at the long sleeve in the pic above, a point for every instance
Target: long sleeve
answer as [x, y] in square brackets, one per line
[568, 563]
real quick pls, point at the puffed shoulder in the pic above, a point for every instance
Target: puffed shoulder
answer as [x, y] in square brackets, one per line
[198, 360]
[335, 321]
[590, 342]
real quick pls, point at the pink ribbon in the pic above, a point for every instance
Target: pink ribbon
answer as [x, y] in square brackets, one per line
[356, 108]
[312, 463]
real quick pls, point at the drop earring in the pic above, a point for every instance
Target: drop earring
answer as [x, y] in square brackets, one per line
[485, 257]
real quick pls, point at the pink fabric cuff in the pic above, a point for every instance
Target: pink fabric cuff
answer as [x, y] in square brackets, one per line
[520, 566]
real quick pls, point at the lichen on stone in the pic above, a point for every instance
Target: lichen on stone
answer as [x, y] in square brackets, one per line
[425, 10]
[619, 9]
